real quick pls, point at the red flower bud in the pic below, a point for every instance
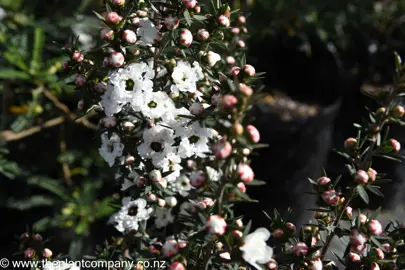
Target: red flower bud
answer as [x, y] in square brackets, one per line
[323, 181]
[350, 143]
[300, 249]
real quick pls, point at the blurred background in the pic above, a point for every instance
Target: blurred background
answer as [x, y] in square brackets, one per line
[319, 56]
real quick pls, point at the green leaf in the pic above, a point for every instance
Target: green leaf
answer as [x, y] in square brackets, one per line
[398, 61]
[49, 184]
[39, 42]
[376, 242]
[101, 17]
[336, 182]
[243, 60]
[187, 17]
[199, 17]
[32, 202]
[12, 74]
[375, 190]
[257, 182]
[362, 193]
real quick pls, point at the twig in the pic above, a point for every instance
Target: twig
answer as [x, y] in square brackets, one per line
[63, 148]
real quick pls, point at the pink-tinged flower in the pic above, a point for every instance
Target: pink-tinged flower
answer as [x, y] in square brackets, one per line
[350, 143]
[374, 227]
[349, 211]
[113, 18]
[196, 108]
[117, 59]
[291, 226]
[331, 197]
[246, 173]
[229, 101]
[372, 174]
[109, 121]
[100, 87]
[278, 233]
[235, 71]
[77, 56]
[363, 219]
[300, 249]
[65, 64]
[197, 178]
[213, 58]
[47, 253]
[129, 36]
[249, 69]
[237, 234]
[170, 248]
[230, 60]
[225, 255]
[224, 21]
[241, 44]
[171, 22]
[186, 38]
[272, 265]
[80, 80]
[387, 247]
[29, 253]
[398, 112]
[208, 202]
[241, 187]
[136, 21]
[24, 236]
[361, 177]
[357, 238]
[216, 225]
[197, 9]
[253, 133]
[177, 266]
[203, 35]
[235, 30]
[107, 34]
[80, 105]
[323, 181]
[216, 99]
[395, 145]
[222, 149]
[161, 202]
[315, 264]
[242, 19]
[354, 257]
[118, 2]
[246, 90]
[190, 3]
[152, 197]
[374, 266]
[182, 243]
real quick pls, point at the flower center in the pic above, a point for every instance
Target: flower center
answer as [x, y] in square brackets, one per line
[152, 104]
[156, 146]
[133, 210]
[194, 139]
[129, 85]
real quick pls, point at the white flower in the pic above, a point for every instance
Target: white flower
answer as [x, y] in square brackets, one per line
[157, 104]
[163, 217]
[157, 145]
[147, 31]
[186, 77]
[182, 185]
[213, 58]
[131, 213]
[111, 148]
[255, 249]
[194, 141]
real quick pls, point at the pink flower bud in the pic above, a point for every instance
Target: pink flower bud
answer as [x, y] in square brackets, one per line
[216, 99]
[80, 80]
[398, 112]
[109, 121]
[142, 13]
[354, 257]
[361, 177]
[246, 151]
[197, 9]
[237, 234]
[162, 182]
[395, 145]
[116, 59]
[374, 266]
[186, 38]
[380, 253]
[246, 173]
[349, 211]
[241, 187]
[213, 58]
[113, 18]
[246, 90]
[225, 255]
[197, 178]
[331, 197]
[196, 108]
[235, 30]
[350, 143]
[315, 264]
[24, 236]
[250, 70]
[357, 238]
[372, 174]
[77, 56]
[363, 219]
[47, 253]
[107, 34]
[235, 71]
[100, 87]
[242, 19]
[229, 101]
[253, 133]
[128, 126]
[129, 36]
[80, 105]
[65, 64]
[323, 181]
[222, 149]
[278, 233]
[224, 21]
[170, 248]
[177, 266]
[300, 249]
[241, 44]
[272, 265]
[29, 253]
[374, 227]
[129, 160]
[106, 62]
[190, 3]
[155, 175]
[216, 225]
[291, 226]
[152, 197]
[161, 202]
[119, 3]
[203, 35]
[230, 60]
[171, 22]
[387, 247]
